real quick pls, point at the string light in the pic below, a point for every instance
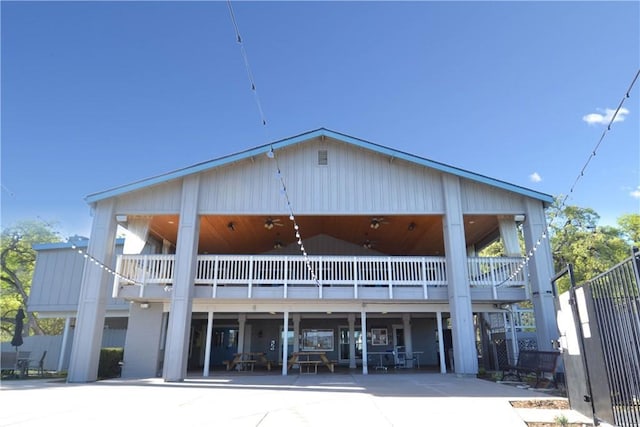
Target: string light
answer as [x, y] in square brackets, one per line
[580, 175]
[103, 266]
[271, 153]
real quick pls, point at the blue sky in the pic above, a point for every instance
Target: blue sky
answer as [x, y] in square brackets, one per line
[96, 95]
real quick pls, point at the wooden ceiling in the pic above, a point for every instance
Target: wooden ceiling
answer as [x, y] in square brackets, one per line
[408, 235]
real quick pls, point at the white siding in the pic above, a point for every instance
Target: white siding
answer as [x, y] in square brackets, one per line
[480, 198]
[56, 282]
[355, 181]
[159, 199]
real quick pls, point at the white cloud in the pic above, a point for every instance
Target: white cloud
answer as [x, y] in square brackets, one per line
[535, 177]
[635, 193]
[605, 119]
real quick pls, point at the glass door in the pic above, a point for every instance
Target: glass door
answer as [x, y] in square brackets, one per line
[344, 347]
[290, 336]
[225, 344]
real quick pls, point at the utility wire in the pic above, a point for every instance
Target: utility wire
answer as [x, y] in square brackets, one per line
[563, 201]
[271, 153]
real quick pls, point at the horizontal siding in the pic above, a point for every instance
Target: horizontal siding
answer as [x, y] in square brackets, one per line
[483, 199]
[355, 181]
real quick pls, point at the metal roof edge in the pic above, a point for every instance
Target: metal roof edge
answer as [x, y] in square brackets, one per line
[67, 245]
[443, 167]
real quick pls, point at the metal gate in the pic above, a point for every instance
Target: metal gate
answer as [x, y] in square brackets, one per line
[600, 337]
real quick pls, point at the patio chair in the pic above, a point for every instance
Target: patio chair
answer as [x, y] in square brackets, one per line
[41, 364]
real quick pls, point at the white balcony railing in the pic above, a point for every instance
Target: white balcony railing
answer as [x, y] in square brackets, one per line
[414, 275]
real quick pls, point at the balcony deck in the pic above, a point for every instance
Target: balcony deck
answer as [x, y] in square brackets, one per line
[272, 277]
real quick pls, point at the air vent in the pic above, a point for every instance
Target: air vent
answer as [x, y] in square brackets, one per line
[323, 157]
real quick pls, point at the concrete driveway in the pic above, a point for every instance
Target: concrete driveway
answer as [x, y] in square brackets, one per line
[327, 400]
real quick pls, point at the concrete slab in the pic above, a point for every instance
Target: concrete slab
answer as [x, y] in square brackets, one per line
[327, 400]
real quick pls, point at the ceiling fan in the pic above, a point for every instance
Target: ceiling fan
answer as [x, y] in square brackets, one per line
[377, 222]
[270, 222]
[368, 244]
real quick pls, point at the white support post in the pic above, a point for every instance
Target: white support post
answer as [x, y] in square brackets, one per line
[389, 277]
[355, 277]
[63, 347]
[116, 279]
[92, 302]
[443, 363]
[363, 321]
[286, 276]
[424, 278]
[494, 280]
[216, 267]
[285, 343]
[143, 279]
[541, 272]
[207, 347]
[515, 348]
[176, 354]
[250, 278]
[463, 334]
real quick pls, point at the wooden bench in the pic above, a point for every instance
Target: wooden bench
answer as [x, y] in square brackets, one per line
[534, 362]
[308, 364]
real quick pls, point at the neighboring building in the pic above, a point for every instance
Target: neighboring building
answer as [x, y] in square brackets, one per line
[386, 259]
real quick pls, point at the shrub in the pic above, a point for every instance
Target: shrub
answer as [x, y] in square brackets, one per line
[109, 365]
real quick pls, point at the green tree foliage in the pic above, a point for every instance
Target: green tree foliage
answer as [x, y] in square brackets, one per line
[17, 259]
[630, 225]
[576, 238]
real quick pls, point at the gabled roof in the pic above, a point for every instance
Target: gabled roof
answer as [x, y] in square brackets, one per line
[264, 149]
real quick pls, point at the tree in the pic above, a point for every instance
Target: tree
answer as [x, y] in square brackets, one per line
[630, 225]
[17, 260]
[576, 238]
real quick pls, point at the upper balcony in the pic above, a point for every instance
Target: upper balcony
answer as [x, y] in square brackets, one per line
[280, 277]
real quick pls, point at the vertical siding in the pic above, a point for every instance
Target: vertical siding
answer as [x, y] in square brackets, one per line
[354, 181]
[481, 198]
[56, 281]
[157, 199]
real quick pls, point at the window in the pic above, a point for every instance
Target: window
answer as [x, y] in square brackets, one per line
[323, 157]
[317, 339]
[379, 336]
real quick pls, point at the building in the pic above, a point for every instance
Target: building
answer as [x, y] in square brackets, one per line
[321, 241]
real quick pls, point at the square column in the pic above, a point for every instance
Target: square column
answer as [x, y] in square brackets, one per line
[463, 332]
[541, 272]
[142, 343]
[352, 340]
[176, 353]
[94, 294]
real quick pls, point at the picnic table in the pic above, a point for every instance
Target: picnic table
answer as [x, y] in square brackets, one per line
[248, 360]
[310, 359]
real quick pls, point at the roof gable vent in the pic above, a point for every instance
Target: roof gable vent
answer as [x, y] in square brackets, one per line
[323, 157]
